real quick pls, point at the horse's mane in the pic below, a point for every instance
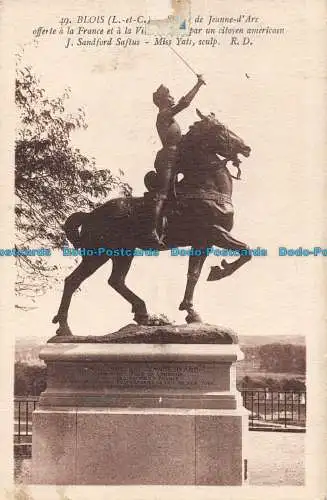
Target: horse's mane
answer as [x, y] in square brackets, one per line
[194, 129]
[199, 129]
[192, 136]
[201, 126]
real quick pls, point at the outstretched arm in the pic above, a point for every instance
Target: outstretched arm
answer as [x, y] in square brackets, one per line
[185, 101]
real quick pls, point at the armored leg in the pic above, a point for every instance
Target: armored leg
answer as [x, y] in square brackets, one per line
[157, 213]
[166, 175]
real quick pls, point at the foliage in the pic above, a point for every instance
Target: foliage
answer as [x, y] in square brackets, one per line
[275, 358]
[30, 380]
[53, 179]
[270, 383]
[282, 358]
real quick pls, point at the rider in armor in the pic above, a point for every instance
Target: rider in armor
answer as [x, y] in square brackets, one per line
[170, 136]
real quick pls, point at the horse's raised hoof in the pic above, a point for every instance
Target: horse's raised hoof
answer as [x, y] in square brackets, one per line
[193, 317]
[55, 319]
[217, 273]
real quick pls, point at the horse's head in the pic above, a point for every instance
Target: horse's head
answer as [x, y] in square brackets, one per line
[219, 139]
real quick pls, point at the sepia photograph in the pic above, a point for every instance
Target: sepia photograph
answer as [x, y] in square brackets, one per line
[163, 249]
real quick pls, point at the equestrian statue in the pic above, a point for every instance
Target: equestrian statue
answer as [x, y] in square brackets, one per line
[188, 203]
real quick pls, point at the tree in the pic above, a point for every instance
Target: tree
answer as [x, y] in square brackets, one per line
[293, 384]
[244, 383]
[52, 178]
[30, 380]
[282, 358]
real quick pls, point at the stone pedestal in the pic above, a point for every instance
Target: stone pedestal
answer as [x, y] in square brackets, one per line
[140, 413]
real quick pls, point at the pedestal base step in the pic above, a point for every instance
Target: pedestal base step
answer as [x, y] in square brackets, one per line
[126, 447]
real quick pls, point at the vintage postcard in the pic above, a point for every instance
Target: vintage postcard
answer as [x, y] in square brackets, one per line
[163, 249]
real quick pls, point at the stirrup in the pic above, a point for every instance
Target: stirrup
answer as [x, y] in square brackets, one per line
[162, 240]
[153, 240]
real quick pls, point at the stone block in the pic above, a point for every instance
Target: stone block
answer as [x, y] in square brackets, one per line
[54, 446]
[135, 448]
[219, 453]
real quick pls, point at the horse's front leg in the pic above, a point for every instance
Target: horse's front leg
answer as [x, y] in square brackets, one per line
[194, 270]
[120, 268]
[224, 239]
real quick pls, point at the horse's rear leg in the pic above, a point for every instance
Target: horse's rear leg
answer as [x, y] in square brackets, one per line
[87, 267]
[194, 270]
[224, 239]
[120, 268]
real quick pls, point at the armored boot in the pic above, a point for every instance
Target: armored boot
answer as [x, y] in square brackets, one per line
[157, 213]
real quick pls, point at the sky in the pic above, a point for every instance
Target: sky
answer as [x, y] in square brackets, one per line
[277, 203]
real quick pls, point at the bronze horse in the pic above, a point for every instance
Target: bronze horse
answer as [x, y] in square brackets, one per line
[200, 216]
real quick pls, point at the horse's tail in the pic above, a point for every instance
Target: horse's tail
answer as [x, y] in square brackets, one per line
[71, 226]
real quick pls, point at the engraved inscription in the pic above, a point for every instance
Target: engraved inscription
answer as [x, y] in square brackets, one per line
[143, 375]
[163, 375]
